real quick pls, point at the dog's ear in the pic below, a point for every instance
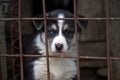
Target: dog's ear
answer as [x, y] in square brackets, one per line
[38, 24]
[82, 24]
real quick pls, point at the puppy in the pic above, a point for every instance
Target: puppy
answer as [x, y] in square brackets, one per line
[61, 42]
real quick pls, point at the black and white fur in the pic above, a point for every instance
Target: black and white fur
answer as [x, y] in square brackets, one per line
[61, 42]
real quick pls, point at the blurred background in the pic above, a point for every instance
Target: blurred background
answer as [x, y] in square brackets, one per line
[99, 43]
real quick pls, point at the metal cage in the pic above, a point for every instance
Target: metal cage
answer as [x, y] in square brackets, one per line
[16, 53]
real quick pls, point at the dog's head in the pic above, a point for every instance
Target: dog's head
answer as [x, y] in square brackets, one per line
[60, 32]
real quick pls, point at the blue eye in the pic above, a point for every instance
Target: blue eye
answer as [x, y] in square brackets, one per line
[51, 32]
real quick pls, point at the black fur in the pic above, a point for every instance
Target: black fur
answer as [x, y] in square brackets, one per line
[31, 49]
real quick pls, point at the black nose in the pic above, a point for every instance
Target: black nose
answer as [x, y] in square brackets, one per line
[59, 46]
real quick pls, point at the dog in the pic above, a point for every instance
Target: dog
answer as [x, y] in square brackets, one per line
[61, 39]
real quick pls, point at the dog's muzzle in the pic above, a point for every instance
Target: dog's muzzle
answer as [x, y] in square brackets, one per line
[59, 47]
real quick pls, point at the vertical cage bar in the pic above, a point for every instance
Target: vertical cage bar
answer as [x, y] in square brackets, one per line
[46, 39]
[20, 40]
[11, 38]
[75, 21]
[107, 6]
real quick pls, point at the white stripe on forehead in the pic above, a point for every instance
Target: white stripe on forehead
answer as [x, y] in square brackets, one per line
[61, 15]
[60, 22]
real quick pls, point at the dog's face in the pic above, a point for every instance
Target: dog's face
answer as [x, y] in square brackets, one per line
[60, 32]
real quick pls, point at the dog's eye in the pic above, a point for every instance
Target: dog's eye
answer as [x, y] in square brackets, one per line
[51, 33]
[68, 31]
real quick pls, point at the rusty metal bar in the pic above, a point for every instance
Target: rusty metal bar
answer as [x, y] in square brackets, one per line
[80, 57]
[107, 6]
[46, 40]
[21, 55]
[8, 19]
[11, 19]
[11, 38]
[76, 33]
[20, 40]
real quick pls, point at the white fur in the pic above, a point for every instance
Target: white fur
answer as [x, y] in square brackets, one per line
[60, 21]
[60, 68]
[39, 44]
[60, 38]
